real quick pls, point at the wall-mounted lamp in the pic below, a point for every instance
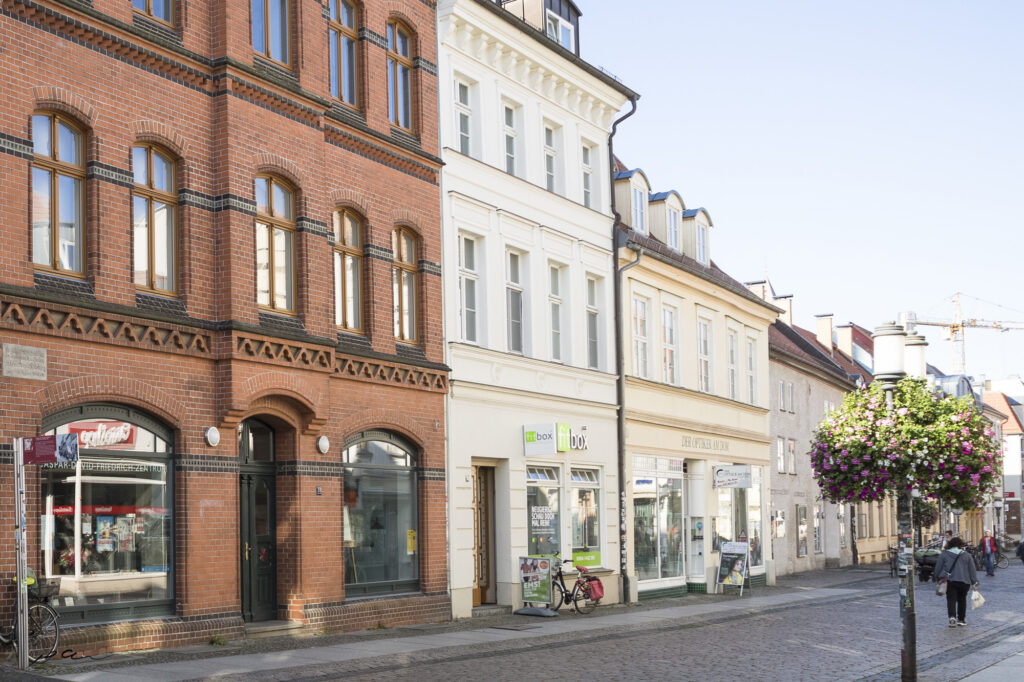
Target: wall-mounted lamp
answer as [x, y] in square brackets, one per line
[212, 436]
[323, 445]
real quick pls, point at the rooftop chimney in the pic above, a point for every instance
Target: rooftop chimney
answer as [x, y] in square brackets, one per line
[844, 339]
[825, 331]
[786, 303]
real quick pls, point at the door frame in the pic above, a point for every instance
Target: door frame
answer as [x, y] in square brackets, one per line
[250, 475]
[484, 591]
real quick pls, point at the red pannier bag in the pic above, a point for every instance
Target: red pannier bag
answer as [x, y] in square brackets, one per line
[596, 589]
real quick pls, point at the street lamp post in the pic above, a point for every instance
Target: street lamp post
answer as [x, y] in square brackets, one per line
[998, 504]
[889, 356]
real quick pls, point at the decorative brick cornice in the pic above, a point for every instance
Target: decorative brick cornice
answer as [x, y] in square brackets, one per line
[207, 464]
[382, 155]
[390, 374]
[16, 146]
[108, 173]
[310, 468]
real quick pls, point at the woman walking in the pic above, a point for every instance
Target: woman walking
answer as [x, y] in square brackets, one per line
[960, 573]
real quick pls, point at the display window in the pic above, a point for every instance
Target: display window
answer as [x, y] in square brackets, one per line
[380, 516]
[543, 489]
[106, 520]
[739, 517]
[585, 499]
[658, 546]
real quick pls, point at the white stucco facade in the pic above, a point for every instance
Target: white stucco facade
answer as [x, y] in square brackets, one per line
[528, 301]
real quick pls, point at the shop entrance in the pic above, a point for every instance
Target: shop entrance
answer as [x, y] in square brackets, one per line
[258, 519]
[483, 535]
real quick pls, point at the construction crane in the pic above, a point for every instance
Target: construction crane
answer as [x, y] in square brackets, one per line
[954, 330]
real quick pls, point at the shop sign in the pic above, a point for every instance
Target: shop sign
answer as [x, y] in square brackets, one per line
[733, 476]
[51, 449]
[551, 438]
[699, 443]
[535, 577]
[104, 434]
[586, 559]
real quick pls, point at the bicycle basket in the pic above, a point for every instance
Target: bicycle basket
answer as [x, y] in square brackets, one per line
[45, 589]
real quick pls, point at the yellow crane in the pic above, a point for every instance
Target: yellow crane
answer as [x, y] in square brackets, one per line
[954, 330]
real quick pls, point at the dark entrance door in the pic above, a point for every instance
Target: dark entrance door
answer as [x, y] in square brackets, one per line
[258, 517]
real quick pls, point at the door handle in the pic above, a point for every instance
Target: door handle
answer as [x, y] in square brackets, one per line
[247, 551]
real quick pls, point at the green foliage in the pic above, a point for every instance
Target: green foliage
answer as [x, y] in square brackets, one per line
[938, 444]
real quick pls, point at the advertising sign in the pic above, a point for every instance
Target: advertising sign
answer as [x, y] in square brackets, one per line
[732, 565]
[734, 476]
[535, 577]
[551, 438]
[51, 449]
[111, 435]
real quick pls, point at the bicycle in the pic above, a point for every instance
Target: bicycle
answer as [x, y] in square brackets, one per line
[43, 621]
[579, 597]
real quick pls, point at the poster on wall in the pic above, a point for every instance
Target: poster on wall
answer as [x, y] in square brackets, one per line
[535, 577]
[126, 534]
[543, 529]
[104, 533]
[733, 565]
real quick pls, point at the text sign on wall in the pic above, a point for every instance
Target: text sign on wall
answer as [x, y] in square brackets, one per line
[733, 476]
[51, 449]
[551, 438]
[24, 362]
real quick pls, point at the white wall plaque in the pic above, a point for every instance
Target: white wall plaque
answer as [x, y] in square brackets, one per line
[24, 362]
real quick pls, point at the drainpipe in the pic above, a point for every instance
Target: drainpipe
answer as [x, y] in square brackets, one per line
[620, 383]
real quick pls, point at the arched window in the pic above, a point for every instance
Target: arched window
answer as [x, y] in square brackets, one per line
[344, 38]
[275, 245]
[154, 205]
[112, 550]
[270, 26]
[58, 197]
[380, 515]
[348, 270]
[403, 245]
[399, 75]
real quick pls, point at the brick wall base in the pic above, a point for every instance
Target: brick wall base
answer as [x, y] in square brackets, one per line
[390, 611]
[146, 634]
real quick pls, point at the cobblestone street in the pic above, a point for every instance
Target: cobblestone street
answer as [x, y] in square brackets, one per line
[825, 625]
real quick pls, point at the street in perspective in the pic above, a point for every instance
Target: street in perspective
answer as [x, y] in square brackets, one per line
[822, 625]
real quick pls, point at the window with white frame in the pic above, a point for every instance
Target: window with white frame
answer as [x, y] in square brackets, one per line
[734, 361]
[639, 210]
[585, 502]
[673, 229]
[669, 340]
[510, 137]
[593, 325]
[556, 310]
[640, 367]
[704, 355]
[561, 31]
[552, 158]
[514, 300]
[751, 371]
[792, 398]
[780, 454]
[543, 510]
[588, 159]
[782, 396]
[817, 529]
[702, 244]
[463, 117]
[791, 456]
[469, 279]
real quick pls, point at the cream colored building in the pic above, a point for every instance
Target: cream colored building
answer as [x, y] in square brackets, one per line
[528, 298]
[695, 345]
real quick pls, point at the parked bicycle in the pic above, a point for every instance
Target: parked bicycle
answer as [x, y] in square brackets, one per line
[585, 593]
[43, 621]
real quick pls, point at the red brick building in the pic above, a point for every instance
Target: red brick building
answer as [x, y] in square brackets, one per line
[223, 218]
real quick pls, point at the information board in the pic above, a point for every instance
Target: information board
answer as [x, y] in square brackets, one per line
[733, 566]
[535, 577]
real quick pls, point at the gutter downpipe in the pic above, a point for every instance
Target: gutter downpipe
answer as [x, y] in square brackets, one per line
[620, 378]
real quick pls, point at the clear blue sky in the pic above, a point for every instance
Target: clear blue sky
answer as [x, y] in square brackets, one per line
[865, 156]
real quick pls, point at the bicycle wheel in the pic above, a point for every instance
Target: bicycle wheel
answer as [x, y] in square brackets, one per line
[557, 596]
[1002, 561]
[43, 632]
[581, 599]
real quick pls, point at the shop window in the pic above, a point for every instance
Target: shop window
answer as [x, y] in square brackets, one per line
[585, 498]
[817, 529]
[380, 515]
[113, 549]
[739, 518]
[841, 513]
[542, 505]
[658, 518]
[801, 530]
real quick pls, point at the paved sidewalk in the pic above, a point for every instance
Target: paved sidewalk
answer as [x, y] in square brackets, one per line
[282, 653]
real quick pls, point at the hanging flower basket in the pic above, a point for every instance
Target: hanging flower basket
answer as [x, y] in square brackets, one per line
[942, 446]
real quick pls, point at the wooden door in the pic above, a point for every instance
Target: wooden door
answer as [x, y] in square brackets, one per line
[483, 535]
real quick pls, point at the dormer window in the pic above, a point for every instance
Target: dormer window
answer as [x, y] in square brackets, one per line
[561, 31]
[639, 210]
[672, 235]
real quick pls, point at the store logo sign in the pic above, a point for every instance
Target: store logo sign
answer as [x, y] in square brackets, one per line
[551, 438]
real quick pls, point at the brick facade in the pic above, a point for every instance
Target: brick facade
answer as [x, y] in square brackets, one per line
[210, 356]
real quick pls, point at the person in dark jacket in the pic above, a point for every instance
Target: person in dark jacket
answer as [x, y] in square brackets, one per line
[957, 566]
[1020, 551]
